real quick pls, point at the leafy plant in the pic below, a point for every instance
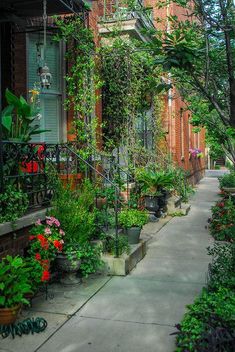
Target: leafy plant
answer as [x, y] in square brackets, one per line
[13, 204]
[222, 226]
[132, 218]
[222, 267]
[209, 312]
[90, 257]
[19, 116]
[14, 281]
[227, 180]
[121, 242]
[75, 211]
[152, 182]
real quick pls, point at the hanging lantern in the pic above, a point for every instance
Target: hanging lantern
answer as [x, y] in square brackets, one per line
[44, 71]
[45, 77]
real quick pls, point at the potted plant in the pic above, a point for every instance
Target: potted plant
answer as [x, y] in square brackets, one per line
[75, 210]
[46, 241]
[13, 287]
[132, 221]
[19, 117]
[153, 185]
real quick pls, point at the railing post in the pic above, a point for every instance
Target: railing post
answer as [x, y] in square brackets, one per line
[116, 223]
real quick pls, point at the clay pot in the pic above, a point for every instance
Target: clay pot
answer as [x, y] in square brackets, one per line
[8, 315]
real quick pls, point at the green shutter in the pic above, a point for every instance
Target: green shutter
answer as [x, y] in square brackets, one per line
[50, 99]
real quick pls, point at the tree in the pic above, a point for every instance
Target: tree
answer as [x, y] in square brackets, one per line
[199, 52]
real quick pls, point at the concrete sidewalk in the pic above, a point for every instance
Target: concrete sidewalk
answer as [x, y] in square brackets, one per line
[137, 313]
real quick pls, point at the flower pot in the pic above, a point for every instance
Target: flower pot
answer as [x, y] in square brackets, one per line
[151, 203]
[69, 267]
[133, 235]
[229, 189]
[70, 179]
[100, 202]
[8, 315]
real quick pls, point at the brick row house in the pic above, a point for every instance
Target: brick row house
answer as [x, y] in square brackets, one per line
[21, 45]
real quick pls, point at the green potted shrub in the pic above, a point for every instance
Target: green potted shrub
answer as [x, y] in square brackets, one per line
[132, 221]
[14, 286]
[75, 211]
[154, 185]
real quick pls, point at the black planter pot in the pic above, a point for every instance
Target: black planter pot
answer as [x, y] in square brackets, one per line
[68, 267]
[151, 203]
[133, 234]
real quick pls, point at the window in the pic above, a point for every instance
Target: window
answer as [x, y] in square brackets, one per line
[50, 99]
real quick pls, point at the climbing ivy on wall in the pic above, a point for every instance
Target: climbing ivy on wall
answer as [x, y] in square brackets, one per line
[130, 84]
[81, 78]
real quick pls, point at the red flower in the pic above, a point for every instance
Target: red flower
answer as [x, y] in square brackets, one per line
[58, 245]
[43, 241]
[37, 256]
[31, 238]
[45, 275]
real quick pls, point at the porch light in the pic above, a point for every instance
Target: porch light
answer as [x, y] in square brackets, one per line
[45, 75]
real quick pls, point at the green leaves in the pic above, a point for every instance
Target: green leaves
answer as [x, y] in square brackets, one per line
[14, 281]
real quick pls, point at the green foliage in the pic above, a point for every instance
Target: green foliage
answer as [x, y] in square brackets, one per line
[132, 218]
[14, 282]
[13, 204]
[121, 243]
[152, 182]
[74, 209]
[199, 52]
[222, 268]
[209, 311]
[18, 117]
[129, 78]
[227, 180]
[90, 256]
[222, 226]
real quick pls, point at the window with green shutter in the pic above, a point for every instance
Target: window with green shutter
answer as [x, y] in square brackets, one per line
[50, 99]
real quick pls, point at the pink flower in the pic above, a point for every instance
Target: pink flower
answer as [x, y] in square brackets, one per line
[47, 231]
[61, 232]
[38, 222]
[62, 241]
[50, 220]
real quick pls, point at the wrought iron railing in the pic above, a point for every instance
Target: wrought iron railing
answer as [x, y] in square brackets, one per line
[34, 168]
[114, 11]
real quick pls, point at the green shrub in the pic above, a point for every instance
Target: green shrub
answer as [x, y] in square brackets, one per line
[222, 223]
[210, 311]
[132, 218]
[227, 180]
[122, 244]
[13, 204]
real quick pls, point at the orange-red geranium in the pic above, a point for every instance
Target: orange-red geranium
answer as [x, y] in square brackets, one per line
[38, 256]
[58, 245]
[45, 275]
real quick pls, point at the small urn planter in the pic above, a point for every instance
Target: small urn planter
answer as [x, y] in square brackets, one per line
[9, 315]
[151, 203]
[68, 266]
[133, 235]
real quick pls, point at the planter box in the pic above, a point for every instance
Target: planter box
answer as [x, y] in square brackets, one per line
[125, 263]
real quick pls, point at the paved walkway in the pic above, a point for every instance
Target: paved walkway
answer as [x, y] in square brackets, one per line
[138, 312]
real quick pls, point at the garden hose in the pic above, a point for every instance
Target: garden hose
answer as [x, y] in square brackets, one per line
[24, 327]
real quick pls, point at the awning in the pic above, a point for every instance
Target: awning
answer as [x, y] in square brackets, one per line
[12, 9]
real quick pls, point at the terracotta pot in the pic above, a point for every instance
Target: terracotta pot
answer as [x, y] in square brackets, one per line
[100, 202]
[71, 179]
[8, 315]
